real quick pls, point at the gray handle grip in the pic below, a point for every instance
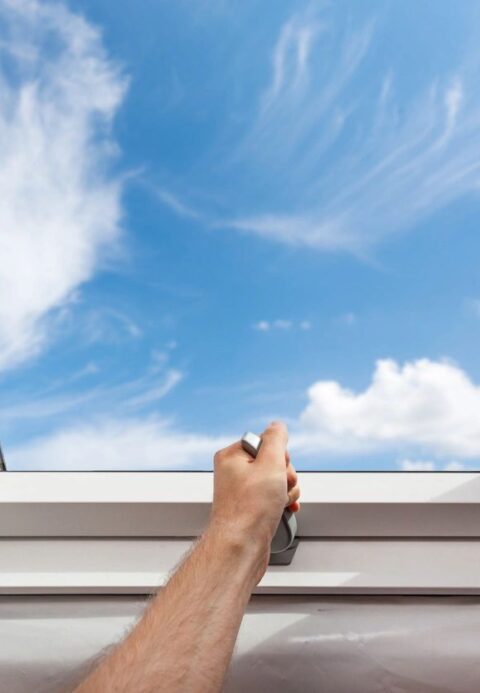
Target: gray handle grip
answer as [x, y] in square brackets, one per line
[287, 529]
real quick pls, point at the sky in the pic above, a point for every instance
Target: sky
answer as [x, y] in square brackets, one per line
[215, 214]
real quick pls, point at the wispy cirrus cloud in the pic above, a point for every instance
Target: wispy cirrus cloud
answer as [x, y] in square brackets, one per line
[428, 409]
[307, 81]
[107, 325]
[60, 404]
[60, 212]
[360, 171]
[290, 60]
[339, 154]
[181, 208]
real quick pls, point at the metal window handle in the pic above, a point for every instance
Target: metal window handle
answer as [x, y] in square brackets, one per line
[287, 528]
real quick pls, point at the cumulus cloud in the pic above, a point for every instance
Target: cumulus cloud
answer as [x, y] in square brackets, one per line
[427, 405]
[60, 210]
[423, 406]
[117, 444]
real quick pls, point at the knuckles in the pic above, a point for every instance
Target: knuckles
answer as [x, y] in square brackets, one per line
[218, 457]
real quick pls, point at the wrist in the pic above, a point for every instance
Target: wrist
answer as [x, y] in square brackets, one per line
[247, 556]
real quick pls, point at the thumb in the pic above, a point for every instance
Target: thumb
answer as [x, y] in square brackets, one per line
[274, 444]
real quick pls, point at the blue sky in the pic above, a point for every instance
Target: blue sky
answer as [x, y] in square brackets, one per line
[215, 214]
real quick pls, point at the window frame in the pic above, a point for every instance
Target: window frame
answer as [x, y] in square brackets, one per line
[177, 504]
[124, 532]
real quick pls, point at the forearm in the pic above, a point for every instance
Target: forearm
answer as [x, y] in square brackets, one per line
[185, 640]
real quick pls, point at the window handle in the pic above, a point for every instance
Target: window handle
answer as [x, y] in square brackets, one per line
[284, 543]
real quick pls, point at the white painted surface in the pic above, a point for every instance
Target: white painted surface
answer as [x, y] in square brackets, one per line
[196, 487]
[305, 644]
[178, 504]
[112, 566]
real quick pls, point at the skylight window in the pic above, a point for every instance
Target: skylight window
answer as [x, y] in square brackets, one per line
[213, 219]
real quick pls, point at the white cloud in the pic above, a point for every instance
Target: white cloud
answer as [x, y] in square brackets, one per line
[160, 357]
[454, 467]
[117, 444]
[107, 326]
[290, 58]
[429, 466]
[294, 229]
[262, 326]
[341, 150]
[425, 405]
[347, 319]
[156, 391]
[281, 324]
[175, 204]
[420, 162]
[60, 210]
[453, 100]
[121, 399]
[89, 369]
[417, 466]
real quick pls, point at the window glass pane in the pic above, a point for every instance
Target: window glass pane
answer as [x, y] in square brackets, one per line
[216, 213]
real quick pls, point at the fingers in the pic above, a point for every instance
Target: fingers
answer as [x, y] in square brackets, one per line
[293, 495]
[292, 485]
[273, 449]
[291, 476]
[233, 451]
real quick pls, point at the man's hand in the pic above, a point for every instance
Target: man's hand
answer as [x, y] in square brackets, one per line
[185, 640]
[250, 494]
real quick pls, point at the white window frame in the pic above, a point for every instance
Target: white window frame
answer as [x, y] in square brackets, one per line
[360, 532]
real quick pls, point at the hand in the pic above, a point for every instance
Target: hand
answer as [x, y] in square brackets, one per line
[250, 494]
